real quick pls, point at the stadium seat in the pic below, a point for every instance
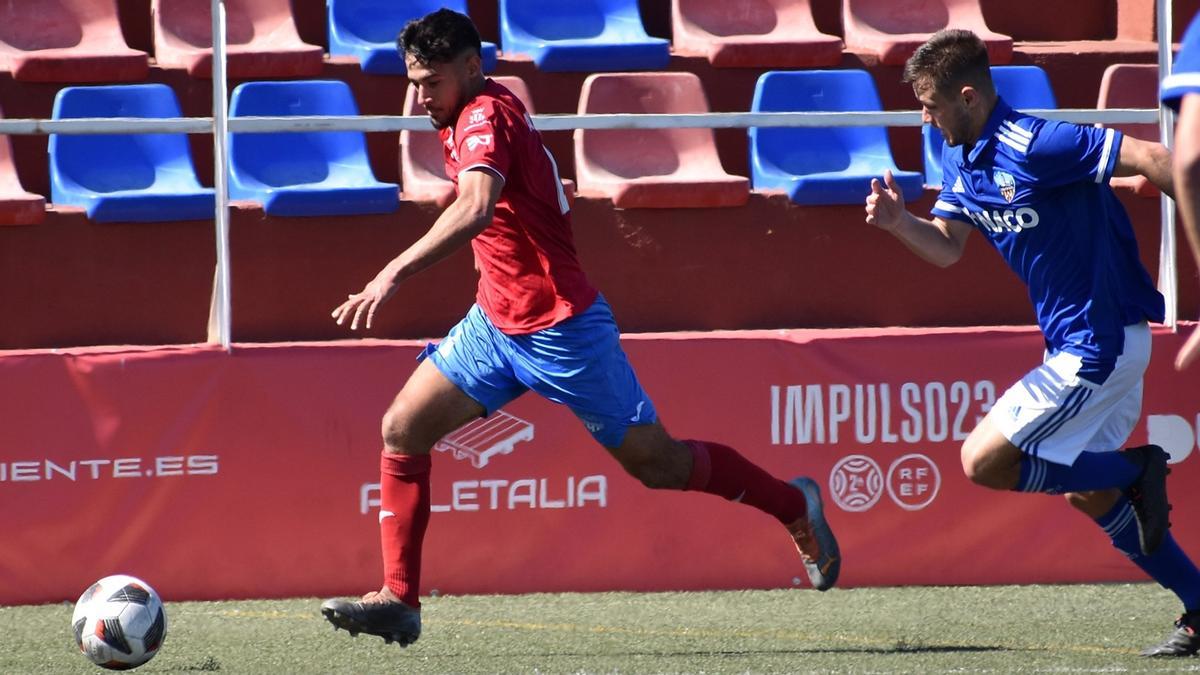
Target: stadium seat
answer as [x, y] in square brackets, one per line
[821, 165]
[367, 30]
[893, 30]
[17, 206]
[261, 37]
[752, 34]
[1127, 85]
[67, 41]
[580, 36]
[422, 163]
[323, 173]
[1022, 87]
[125, 178]
[652, 168]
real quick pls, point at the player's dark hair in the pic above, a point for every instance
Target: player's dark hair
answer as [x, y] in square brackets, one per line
[950, 59]
[439, 37]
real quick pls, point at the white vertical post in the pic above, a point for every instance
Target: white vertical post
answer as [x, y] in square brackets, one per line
[221, 292]
[1168, 277]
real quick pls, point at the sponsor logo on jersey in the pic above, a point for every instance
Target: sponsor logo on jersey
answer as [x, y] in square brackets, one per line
[1006, 220]
[478, 140]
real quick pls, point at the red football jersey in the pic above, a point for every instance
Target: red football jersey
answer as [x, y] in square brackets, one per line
[529, 273]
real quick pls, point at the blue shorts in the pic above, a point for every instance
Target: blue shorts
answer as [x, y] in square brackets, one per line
[578, 362]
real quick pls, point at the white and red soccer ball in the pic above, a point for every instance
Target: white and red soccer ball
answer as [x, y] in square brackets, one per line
[119, 622]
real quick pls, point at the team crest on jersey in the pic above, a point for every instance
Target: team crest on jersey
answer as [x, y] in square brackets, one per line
[1007, 185]
[476, 116]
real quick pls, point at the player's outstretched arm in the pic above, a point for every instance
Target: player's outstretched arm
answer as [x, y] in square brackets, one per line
[1146, 158]
[938, 241]
[471, 212]
[1187, 181]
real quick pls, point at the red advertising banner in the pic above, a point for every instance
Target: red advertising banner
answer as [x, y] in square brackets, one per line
[254, 474]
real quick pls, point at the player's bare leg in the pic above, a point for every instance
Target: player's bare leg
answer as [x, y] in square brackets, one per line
[659, 461]
[649, 454]
[429, 407]
[1095, 503]
[989, 459]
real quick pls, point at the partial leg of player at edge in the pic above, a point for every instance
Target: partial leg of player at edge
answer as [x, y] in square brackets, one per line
[1021, 448]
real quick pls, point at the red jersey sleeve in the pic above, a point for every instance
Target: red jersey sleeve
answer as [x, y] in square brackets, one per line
[483, 139]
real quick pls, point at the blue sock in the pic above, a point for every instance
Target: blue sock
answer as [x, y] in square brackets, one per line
[1169, 565]
[1091, 471]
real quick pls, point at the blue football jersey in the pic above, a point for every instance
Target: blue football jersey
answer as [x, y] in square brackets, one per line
[1185, 72]
[1038, 190]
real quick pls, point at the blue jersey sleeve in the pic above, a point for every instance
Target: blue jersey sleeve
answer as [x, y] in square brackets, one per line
[948, 206]
[1185, 73]
[1063, 153]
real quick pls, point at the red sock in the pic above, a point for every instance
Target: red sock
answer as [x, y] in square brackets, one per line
[719, 470]
[404, 488]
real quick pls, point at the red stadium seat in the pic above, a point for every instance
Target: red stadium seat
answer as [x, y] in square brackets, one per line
[652, 168]
[67, 41]
[262, 39]
[17, 207]
[753, 34]
[1127, 85]
[893, 29]
[422, 164]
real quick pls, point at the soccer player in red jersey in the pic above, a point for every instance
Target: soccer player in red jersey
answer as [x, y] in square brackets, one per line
[537, 324]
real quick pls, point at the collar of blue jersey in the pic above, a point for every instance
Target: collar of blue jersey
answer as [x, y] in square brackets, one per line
[988, 135]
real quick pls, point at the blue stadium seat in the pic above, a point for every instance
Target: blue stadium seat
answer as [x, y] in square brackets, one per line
[125, 178]
[821, 165]
[321, 173]
[1022, 87]
[581, 35]
[367, 29]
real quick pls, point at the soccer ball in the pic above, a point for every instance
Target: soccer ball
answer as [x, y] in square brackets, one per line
[119, 622]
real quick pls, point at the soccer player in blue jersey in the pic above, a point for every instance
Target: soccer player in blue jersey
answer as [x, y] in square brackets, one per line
[1181, 91]
[1038, 190]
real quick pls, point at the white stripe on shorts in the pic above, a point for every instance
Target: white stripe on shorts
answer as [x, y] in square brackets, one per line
[1054, 415]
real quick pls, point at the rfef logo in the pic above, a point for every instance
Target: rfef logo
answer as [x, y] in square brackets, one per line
[913, 482]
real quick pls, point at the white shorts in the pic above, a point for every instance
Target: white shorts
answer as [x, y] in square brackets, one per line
[1054, 415]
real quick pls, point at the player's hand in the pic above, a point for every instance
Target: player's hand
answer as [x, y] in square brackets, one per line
[885, 204]
[1190, 350]
[367, 301]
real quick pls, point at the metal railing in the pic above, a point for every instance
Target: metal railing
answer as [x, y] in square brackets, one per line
[220, 125]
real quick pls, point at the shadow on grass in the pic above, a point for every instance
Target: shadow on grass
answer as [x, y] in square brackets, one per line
[898, 648]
